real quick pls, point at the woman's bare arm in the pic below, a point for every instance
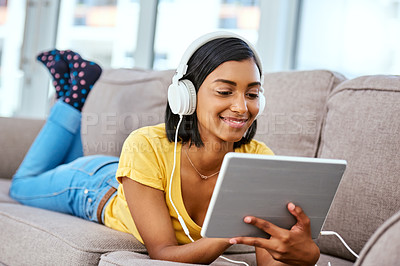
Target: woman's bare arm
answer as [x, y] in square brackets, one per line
[150, 213]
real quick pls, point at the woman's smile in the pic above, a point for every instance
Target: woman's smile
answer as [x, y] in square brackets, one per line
[234, 122]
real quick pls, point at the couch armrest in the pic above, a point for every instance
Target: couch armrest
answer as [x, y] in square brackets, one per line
[384, 245]
[16, 136]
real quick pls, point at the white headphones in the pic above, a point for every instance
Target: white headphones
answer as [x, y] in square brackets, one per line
[182, 94]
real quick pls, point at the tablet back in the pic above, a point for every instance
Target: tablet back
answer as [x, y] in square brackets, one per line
[263, 185]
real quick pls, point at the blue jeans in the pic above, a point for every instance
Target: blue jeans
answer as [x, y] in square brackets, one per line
[54, 174]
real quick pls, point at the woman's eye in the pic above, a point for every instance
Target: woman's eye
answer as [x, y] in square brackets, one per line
[253, 95]
[224, 93]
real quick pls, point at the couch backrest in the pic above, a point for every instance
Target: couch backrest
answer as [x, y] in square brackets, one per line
[295, 107]
[126, 99]
[16, 136]
[121, 101]
[362, 126]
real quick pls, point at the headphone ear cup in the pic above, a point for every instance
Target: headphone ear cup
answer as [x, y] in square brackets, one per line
[188, 86]
[261, 103]
[182, 97]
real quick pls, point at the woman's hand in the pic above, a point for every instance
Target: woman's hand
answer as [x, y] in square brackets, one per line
[294, 246]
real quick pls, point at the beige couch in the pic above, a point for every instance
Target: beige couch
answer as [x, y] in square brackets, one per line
[309, 113]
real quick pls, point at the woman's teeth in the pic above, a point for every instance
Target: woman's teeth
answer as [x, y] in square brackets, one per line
[237, 123]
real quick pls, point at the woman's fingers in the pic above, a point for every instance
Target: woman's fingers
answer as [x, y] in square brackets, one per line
[302, 219]
[293, 246]
[264, 225]
[267, 227]
[303, 224]
[250, 241]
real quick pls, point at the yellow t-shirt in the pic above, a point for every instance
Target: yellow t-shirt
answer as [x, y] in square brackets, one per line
[148, 158]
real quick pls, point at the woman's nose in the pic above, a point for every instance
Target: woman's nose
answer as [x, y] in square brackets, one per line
[239, 105]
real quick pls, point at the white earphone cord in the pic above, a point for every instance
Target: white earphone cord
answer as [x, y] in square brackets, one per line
[330, 233]
[181, 221]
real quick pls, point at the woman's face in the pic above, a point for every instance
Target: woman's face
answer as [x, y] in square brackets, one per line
[227, 101]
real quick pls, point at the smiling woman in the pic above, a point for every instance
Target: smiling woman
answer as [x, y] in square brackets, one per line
[224, 78]
[152, 191]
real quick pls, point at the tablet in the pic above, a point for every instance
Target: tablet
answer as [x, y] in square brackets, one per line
[263, 185]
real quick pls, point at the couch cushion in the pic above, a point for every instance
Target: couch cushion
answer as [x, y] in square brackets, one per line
[4, 188]
[295, 104]
[362, 126]
[31, 236]
[384, 246]
[16, 136]
[83, 241]
[121, 101]
[325, 260]
[126, 99]
[131, 258]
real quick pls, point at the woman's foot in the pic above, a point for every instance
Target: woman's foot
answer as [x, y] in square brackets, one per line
[83, 75]
[58, 69]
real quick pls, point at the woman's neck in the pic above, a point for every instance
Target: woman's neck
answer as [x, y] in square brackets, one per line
[208, 158]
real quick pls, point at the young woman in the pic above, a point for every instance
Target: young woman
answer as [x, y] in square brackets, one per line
[162, 182]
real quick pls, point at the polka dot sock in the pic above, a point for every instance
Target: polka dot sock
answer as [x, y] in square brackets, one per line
[83, 75]
[58, 69]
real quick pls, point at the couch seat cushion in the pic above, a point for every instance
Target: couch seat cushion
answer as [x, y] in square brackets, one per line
[326, 260]
[32, 236]
[130, 258]
[4, 188]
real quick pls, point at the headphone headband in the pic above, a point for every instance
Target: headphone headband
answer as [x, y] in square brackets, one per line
[196, 44]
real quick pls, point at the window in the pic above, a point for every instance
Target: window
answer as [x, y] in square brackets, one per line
[179, 22]
[353, 37]
[12, 21]
[103, 30]
[239, 15]
[3, 11]
[3, 19]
